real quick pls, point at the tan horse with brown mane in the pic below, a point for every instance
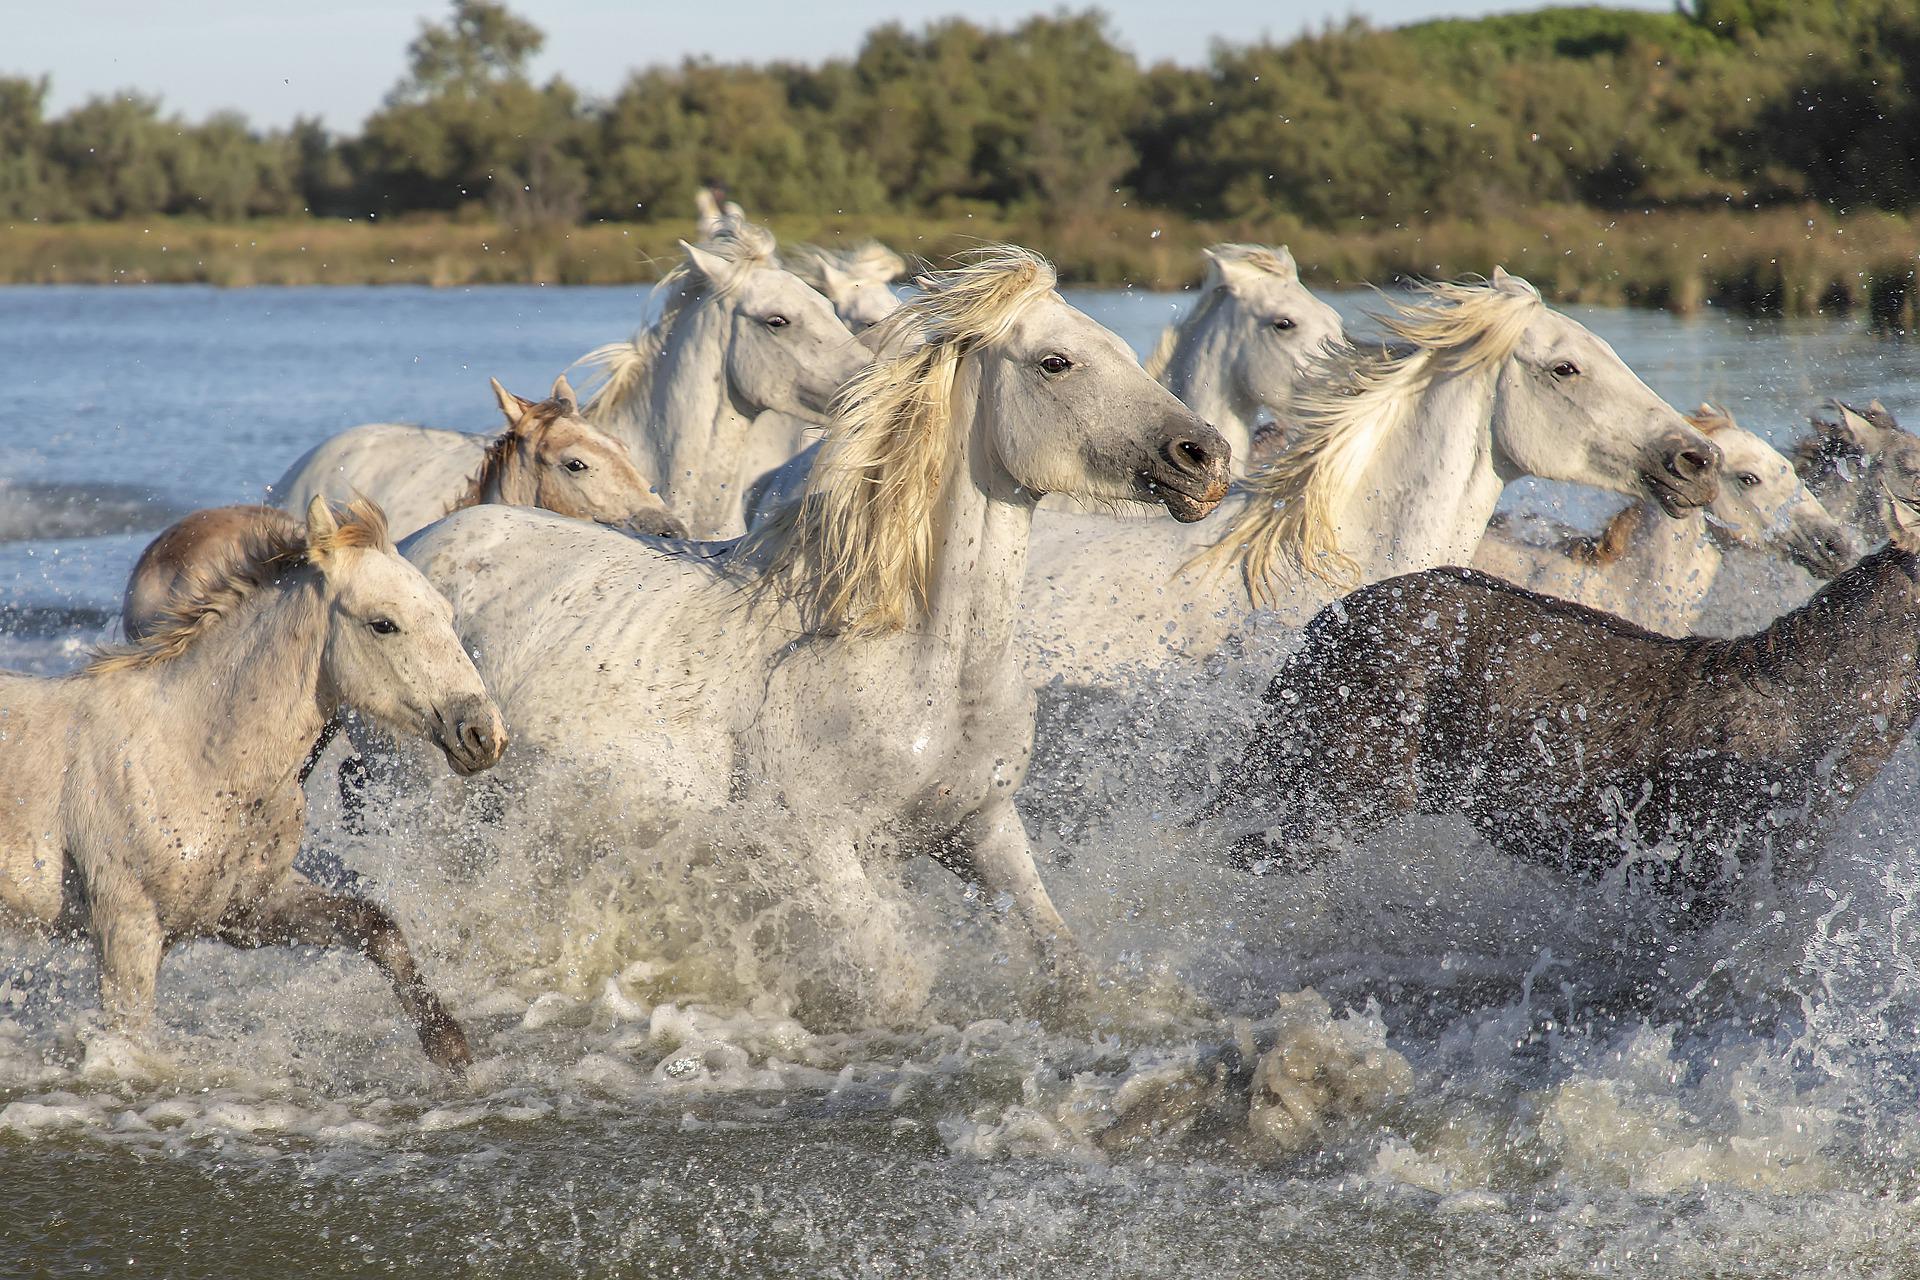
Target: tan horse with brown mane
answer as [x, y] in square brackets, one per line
[549, 456]
[151, 798]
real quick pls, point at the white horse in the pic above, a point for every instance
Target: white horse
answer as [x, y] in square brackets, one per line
[857, 281]
[1252, 336]
[548, 456]
[738, 336]
[1656, 572]
[151, 798]
[851, 666]
[1396, 463]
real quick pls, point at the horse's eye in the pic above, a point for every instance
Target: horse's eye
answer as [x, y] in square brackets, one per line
[575, 465]
[1283, 324]
[1565, 369]
[1748, 479]
[776, 322]
[383, 626]
[1055, 364]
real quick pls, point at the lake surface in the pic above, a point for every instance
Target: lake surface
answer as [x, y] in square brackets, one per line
[655, 1094]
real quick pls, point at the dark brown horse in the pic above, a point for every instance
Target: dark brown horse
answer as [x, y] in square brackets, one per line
[1572, 738]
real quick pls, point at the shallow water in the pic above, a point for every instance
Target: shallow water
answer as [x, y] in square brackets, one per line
[659, 1089]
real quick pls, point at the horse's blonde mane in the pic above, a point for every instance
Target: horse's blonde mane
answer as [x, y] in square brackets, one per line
[1345, 411]
[1163, 348]
[868, 260]
[214, 590]
[856, 549]
[621, 371]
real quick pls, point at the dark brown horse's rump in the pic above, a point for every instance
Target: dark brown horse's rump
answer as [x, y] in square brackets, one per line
[1572, 738]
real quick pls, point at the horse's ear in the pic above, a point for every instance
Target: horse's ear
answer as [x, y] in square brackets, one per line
[1861, 428]
[708, 263]
[707, 211]
[322, 528]
[563, 392]
[1288, 267]
[510, 404]
[1230, 273]
[833, 278]
[1506, 282]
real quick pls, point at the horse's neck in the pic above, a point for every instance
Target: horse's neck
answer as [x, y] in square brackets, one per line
[1668, 554]
[691, 439]
[1200, 372]
[1859, 635]
[513, 483]
[247, 700]
[982, 523]
[1431, 486]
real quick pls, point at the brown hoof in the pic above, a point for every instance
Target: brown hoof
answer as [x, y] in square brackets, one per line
[445, 1042]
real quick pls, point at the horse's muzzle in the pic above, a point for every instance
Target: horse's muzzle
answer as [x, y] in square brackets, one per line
[471, 735]
[1190, 471]
[1684, 473]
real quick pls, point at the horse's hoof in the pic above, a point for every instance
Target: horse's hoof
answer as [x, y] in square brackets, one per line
[446, 1044]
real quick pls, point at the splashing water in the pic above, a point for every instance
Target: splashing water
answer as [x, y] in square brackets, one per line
[1418, 1058]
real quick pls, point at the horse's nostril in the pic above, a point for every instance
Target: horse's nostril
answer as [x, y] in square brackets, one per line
[1691, 464]
[1190, 455]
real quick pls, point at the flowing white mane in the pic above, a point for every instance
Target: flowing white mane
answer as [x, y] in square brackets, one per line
[856, 549]
[1341, 416]
[623, 370]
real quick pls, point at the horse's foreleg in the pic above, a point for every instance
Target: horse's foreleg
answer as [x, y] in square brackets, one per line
[298, 914]
[991, 849]
[872, 933]
[129, 942]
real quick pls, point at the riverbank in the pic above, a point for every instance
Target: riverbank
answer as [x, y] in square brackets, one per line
[1781, 261]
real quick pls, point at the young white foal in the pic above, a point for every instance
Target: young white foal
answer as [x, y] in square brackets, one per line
[1253, 335]
[151, 797]
[548, 456]
[1657, 572]
[1395, 463]
[739, 336]
[851, 666]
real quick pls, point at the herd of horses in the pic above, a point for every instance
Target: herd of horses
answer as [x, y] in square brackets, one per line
[789, 579]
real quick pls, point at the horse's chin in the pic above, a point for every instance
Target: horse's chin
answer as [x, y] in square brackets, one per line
[1185, 508]
[1670, 499]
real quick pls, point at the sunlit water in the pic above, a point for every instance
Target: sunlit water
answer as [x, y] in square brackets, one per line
[658, 1091]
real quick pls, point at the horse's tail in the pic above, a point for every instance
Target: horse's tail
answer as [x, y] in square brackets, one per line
[614, 371]
[1162, 354]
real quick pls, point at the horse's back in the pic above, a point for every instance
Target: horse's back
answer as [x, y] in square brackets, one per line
[415, 473]
[569, 620]
[37, 721]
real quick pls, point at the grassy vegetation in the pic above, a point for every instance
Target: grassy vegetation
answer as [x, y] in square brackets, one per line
[1779, 261]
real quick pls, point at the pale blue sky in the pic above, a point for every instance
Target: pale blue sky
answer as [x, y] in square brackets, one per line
[335, 58]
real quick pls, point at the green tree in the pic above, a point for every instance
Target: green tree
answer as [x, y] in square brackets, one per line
[467, 125]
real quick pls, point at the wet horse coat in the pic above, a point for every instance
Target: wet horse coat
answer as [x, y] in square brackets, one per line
[1574, 739]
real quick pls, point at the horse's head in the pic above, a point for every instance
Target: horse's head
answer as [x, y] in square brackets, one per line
[785, 348]
[857, 281]
[1273, 325]
[391, 652]
[1568, 408]
[1899, 474]
[1762, 503]
[566, 465]
[1071, 411]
